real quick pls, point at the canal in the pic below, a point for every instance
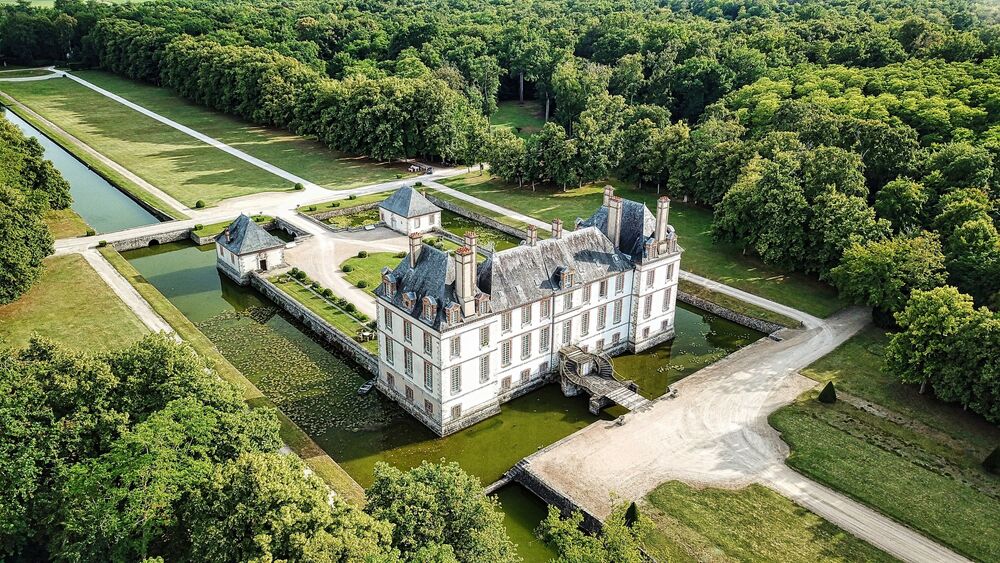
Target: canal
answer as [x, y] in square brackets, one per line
[317, 389]
[105, 208]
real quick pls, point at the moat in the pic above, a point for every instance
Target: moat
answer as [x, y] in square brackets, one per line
[317, 389]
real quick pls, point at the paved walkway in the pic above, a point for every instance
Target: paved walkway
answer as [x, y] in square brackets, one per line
[491, 206]
[128, 294]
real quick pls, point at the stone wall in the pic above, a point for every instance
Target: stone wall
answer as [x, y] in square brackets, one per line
[521, 473]
[315, 323]
[147, 240]
[729, 314]
[478, 217]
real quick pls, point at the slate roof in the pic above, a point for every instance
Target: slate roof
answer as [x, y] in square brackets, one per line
[638, 225]
[244, 236]
[433, 276]
[408, 202]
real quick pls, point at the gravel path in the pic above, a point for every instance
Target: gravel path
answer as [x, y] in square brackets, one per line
[127, 293]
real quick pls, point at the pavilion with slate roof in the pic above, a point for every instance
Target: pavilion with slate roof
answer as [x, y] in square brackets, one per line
[408, 211]
[244, 247]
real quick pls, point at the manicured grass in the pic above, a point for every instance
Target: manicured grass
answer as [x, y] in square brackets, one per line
[23, 73]
[486, 236]
[72, 305]
[856, 367]
[506, 220]
[345, 203]
[97, 166]
[734, 304]
[523, 119]
[359, 219]
[301, 156]
[337, 317]
[216, 228]
[901, 472]
[180, 165]
[65, 223]
[370, 268]
[750, 524]
[721, 262]
[293, 436]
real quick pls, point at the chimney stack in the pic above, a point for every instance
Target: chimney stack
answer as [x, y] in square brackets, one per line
[662, 213]
[416, 242]
[615, 220]
[609, 191]
[532, 235]
[470, 241]
[465, 280]
[556, 229]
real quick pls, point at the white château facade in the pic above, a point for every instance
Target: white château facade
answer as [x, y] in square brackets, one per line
[456, 339]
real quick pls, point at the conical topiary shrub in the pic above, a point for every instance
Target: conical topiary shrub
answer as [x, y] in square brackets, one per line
[632, 514]
[992, 461]
[828, 394]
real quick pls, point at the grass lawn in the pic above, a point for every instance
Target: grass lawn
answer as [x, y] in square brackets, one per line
[301, 156]
[72, 305]
[486, 236]
[902, 472]
[458, 184]
[370, 268]
[65, 223]
[345, 203]
[180, 165]
[737, 305]
[721, 262]
[359, 219]
[523, 119]
[293, 436]
[23, 73]
[216, 228]
[337, 317]
[750, 524]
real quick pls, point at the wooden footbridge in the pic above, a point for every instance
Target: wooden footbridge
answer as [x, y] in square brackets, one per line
[582, 371]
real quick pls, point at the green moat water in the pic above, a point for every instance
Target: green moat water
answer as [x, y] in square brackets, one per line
[102, 206]
[458, 225]
[317, 389]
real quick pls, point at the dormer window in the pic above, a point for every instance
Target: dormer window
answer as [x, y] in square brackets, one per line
[454, 312]
[566, 276]
[389, 284]
[429, 310]
[482, 303]
[409, 298]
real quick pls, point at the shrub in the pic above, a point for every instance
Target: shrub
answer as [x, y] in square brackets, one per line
[361, 317]
[350, 307]
[294, 271]
[400, 254]
[992, 461]
[362, 284]
[828, 394]
[348, 268]
[352, 196]
[335, 204]
[340, 301]
[102, 243]
[398, 176]
[299, 187]
[199, 226]
[315, 285]
[327, 292]
[312, 208]
[362, 254]
[418, 184]
[200, 204]
[372, 324]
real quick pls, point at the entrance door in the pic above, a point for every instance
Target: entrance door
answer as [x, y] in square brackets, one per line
[263, 265]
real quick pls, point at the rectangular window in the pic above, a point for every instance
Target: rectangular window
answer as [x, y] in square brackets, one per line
[408, 362]
[620, 283]
[665, 325]
[428, 407]
[602, 317]
[645, 332]
[546, 308]
[428, 376]
[390, 380]
[428, 343]
[602, 289]
[408, 331]
[543, 340]
[525, 346]
[670, 273]
[484, 369]
[389, 346]
[505, 384]
[616, 339]
[647, 307]
[388, 319]
[544, 368]
[456, 411]
[586, 293]
[456, 346]
[585, 324]
[505, 321]
[650, 278]
[526, 315]
[618, 312]
[525, 375]
[456, 380]
[409, 394]
[505, 353]
[600, 345]
[567, 331]
[666, 298]
[484, 337]
[568, 301]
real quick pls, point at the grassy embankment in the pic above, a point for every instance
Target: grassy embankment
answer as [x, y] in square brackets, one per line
[328, 311]
[294, 437]
[737, 305]
[523, 119]
[65, 223]
[180, 165]
[749, 524]
[703, 256]
[71, 305]
[918, 463]
[304, 157]
[23, 72]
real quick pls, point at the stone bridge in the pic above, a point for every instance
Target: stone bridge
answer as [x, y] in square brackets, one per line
[582, 371]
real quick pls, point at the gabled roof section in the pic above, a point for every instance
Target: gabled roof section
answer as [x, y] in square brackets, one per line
[637, 225]
[526, 273]
[244, 236]
[433, 276]
[408, 202]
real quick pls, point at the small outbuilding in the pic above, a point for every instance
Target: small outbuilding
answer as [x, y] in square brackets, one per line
[244, 247]
[407, 211]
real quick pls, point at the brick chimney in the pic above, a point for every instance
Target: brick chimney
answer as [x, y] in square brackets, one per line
[470, 241]
[662, 213]
[416, 242]
[609, 191]
[532, 235]
[615, 220]
[465, 279]
[556, 229]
